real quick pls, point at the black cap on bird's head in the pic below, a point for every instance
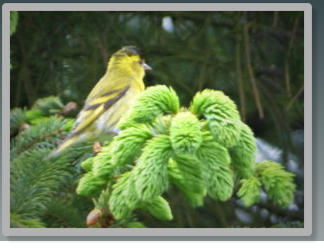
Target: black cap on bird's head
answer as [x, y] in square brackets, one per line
[132, 51]
[129, 51]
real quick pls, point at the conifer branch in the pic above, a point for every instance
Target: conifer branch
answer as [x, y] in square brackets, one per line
[198, 150]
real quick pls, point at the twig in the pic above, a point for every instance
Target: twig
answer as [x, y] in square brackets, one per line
[202, 76]
[250, 70]
[287, 77]
[275, 19]
[287, 74]
[295, 98]
[39, 139]
[239, 77]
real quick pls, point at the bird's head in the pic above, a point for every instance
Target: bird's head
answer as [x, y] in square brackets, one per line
[128, 59]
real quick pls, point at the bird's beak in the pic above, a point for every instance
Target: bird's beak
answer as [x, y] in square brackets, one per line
[146, 67]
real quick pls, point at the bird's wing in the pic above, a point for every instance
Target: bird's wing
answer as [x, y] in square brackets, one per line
[96, 106]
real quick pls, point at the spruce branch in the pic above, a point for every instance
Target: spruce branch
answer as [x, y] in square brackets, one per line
[216, 172]
[120, 204]
[217, 100]
[87, 164]
[190, 169]
[221, 114]
[243, 153]
[159, 208]
[278, 183]
[177, 178]
[150, 173]
[90, 184]
[48, 105]
[250, 191]
[185, 133]
[102, 165]
[46, 133]
[198, 150]
[153, 102]
[17, 119]
[128, 145]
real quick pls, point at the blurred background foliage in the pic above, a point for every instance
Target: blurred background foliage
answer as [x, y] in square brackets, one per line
[256, 58]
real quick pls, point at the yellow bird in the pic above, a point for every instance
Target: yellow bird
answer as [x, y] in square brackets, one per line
[111, 97]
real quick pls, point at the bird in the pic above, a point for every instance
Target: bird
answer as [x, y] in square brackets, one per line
[110, 98]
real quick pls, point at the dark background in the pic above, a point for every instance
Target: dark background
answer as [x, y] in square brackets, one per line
[252, 113]
[65, 54]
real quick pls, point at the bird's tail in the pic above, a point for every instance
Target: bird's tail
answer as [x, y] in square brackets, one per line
[67, 142]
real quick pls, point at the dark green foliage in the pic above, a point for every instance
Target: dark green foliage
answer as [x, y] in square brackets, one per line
[34, 177]
[22, 221]
[65, 211]
[17, 119]
[46, 133]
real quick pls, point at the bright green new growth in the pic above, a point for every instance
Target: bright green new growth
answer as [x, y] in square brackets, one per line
[243, 153]
[278, 183]
[190, 170]
[102, 165]
[128, 145]
[151, 172]
[222, 116]
[153, 102]
[185, 133]
[250, 191]
[99, 171]
[89, 184]
[218, 176]
[159, 208]
[87, 164]
[120, 204]
[177, 178]
[199, 150]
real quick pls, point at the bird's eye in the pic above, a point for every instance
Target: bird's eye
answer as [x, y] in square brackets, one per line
[141, 62]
